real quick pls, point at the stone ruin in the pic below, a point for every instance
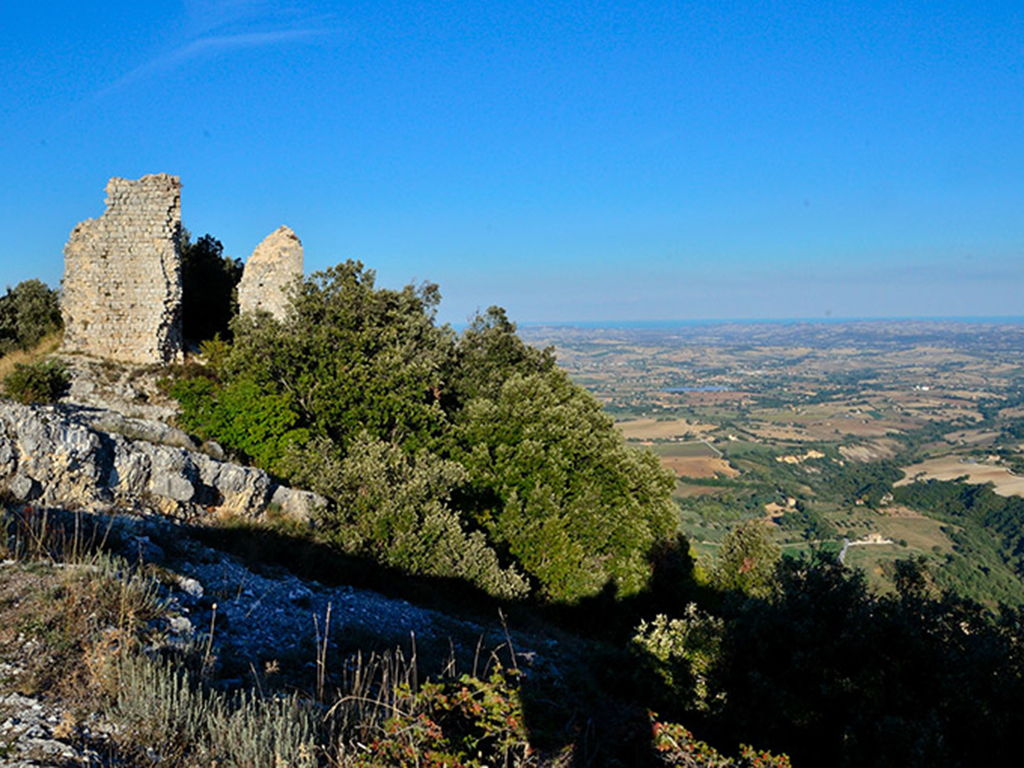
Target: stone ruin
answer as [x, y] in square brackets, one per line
[122, 275]
[273, 267]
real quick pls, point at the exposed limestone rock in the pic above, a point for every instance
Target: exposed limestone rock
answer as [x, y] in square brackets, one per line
[59, 457]
[272, 268]
[133, 390]
[122, 275]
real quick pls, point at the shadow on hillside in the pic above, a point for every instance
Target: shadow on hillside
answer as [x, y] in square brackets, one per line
[825, 670]
[584, 693]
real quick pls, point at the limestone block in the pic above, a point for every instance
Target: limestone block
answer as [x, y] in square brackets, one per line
[297, 504]
[50, 456]
[272, 268]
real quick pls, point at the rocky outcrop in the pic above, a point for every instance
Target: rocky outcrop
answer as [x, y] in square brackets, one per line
[66, 457]
[273, 267]
[106, 386]
[122, 275]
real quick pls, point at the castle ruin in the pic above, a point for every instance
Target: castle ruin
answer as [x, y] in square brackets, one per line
[122, 285]
[122, 275]
[273, 267]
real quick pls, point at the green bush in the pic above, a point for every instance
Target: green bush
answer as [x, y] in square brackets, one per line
[395, 507]
[682, 653]
[465, 722]
[555, 483]
[354, 358]
[747, 560]
[29, 312]
[675, 745]
[37, 382]
[259, 425]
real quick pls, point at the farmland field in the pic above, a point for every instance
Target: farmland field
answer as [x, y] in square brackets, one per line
[951, 467]
[807, 426]
[663, 429]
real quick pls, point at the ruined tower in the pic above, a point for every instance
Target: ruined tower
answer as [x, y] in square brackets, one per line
[122, 275]
[273, 266]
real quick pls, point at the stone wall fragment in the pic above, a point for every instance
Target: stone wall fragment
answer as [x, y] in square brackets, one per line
[122, 275]
[273, 267]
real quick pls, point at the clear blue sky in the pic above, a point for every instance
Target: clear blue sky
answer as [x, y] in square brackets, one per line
[566, 160]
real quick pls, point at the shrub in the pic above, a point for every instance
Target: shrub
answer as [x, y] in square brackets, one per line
[675, 745]
[556, 484]
[682, 652]
[160, 708]
[38, 382]
[257, 424]
[465, 722]
[747, 560]
[395, 507]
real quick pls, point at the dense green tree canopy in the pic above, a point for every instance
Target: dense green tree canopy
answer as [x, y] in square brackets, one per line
[208, 281]
[473, 444]
[352, 357]
[573, 504]
[747, 560]
[489, 352]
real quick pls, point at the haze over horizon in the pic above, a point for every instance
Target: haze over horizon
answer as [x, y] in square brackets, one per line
[601, 161]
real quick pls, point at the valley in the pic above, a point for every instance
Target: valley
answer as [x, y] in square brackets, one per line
[801, 424]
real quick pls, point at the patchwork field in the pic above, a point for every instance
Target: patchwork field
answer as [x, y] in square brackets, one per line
[919, 532]
[803, 426]
[698, 467]
[952, 467]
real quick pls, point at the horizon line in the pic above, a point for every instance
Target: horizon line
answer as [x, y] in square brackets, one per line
[675, 322]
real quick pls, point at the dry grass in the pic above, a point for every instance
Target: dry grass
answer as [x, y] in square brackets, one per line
[972, 436]
[874, 451]
[657, 429]
[698, 466]
[688, 490]
[46, 347]
[787, 433]
[73, 625]
[952, 467]
[68, 611]
[920, 532]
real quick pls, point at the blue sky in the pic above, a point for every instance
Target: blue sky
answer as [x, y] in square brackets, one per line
[569, 161]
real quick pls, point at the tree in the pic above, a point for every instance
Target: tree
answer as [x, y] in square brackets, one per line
[747, 560]
[396, 507]
[481, 448]
[836, 675]
[555, 484]
[489, 352]
[353, 358]
[28, 312]
[208, 283]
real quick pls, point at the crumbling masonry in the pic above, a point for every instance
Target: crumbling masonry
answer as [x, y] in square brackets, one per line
[269, 273]
[122, 275]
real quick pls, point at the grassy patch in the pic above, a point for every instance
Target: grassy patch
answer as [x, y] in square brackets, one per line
[685, 450]
[919, 532]
[46, 347]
